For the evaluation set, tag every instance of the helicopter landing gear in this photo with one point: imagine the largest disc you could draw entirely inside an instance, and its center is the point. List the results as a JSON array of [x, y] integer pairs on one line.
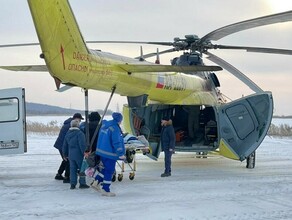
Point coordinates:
[[250, 161], [201, 155]]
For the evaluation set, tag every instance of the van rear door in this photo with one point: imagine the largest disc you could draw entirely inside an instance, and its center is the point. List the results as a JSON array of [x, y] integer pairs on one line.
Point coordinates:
[[13, 139]]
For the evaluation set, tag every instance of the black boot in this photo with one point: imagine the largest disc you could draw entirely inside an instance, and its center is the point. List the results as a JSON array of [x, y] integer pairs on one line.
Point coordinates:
[[83, 186], [72, 186], [66, 180], [165, 175], [59, 177]]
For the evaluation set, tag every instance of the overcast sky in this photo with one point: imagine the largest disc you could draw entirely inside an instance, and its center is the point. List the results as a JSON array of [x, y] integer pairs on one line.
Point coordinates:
[[159, 20]]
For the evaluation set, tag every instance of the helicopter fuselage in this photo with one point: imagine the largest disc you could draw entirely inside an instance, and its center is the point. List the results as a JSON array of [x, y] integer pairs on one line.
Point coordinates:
[[101, 71]]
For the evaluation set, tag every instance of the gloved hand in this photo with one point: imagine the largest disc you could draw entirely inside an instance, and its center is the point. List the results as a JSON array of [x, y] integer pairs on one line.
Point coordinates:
[[122, 157], [86, 154], [65, 158]]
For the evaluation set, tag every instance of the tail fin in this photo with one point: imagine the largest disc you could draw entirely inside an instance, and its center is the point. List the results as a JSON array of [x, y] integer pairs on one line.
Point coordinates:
[[58, 32]]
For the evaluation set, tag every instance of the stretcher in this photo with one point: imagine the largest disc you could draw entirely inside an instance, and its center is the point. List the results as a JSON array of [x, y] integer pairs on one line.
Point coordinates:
[[133, 145]]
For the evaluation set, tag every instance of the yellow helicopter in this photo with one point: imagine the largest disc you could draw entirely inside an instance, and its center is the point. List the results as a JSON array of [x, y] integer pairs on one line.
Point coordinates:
[[187, 91]]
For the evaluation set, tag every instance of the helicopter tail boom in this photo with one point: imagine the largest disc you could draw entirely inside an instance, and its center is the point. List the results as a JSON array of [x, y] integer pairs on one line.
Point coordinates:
[[58, 33]]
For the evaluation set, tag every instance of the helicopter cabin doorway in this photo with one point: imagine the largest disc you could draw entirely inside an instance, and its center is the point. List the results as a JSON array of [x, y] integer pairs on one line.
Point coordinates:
[[195, 126]]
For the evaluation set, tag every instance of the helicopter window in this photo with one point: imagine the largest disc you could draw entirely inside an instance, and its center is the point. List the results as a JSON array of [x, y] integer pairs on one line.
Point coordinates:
[[194, 60], [215, 79], [137, 101], [174, 61], [241, 120]]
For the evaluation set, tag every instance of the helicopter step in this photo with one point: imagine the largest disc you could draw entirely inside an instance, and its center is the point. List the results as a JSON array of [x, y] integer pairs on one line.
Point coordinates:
[[194, 148]]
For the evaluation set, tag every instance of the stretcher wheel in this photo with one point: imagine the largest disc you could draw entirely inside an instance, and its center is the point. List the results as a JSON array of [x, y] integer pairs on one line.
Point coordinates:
[[131, 176], [120, 177]]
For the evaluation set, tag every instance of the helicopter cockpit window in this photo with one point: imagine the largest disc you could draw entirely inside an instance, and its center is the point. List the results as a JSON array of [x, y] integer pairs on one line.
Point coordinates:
[[194, 59], [187, 59]]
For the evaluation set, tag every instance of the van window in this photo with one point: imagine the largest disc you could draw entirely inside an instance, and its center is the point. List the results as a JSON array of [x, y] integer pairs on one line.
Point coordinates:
[[9, 110]]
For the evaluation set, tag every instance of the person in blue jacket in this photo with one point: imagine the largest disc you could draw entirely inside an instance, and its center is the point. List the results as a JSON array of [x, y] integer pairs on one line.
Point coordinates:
[[64, 166], [73, 149], [110, 147], [167, 143]]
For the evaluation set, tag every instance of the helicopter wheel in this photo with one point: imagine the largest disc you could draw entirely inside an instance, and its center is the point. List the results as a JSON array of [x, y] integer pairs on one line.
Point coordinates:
[[197, 154], [250, 161], [201, 154], [205, 154], [131, 176], [120, 177]]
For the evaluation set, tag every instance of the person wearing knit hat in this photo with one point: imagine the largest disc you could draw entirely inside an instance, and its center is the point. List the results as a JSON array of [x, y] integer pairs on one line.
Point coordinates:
[[118, 117], [110, 147]]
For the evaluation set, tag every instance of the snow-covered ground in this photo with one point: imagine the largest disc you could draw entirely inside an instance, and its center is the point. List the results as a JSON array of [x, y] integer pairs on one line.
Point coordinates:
[[212, 188], [46, 119]]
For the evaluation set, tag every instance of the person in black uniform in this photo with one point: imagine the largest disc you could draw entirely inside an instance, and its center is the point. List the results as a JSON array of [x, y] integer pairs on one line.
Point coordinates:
[[167, 143]]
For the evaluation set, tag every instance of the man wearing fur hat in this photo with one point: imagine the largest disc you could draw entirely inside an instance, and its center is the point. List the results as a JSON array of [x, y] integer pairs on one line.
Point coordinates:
[[110, 147], [167, 143]]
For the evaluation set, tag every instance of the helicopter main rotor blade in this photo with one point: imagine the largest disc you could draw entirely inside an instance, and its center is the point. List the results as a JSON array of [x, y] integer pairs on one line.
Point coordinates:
[[234, 72], [20, 45], [131, 42], [255, 49], [97, 42], [118, 42], [248, 24]]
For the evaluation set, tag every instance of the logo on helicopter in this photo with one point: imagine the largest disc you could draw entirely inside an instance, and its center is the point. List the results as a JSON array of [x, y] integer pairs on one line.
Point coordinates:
[[171, 83]]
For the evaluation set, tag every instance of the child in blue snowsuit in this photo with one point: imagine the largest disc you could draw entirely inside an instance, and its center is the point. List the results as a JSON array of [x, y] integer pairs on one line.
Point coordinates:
[[73, 149], [110, 148]]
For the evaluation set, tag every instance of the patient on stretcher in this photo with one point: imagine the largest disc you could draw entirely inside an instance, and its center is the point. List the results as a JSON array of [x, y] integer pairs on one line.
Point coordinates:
[[137, 143]]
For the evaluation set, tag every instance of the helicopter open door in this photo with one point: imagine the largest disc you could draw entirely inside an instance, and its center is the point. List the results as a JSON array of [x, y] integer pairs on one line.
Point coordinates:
[[243, 125], [12, 121]]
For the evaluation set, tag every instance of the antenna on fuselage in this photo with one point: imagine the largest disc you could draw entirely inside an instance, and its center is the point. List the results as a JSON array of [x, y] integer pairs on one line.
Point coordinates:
[[157, 61], [141, 58]]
